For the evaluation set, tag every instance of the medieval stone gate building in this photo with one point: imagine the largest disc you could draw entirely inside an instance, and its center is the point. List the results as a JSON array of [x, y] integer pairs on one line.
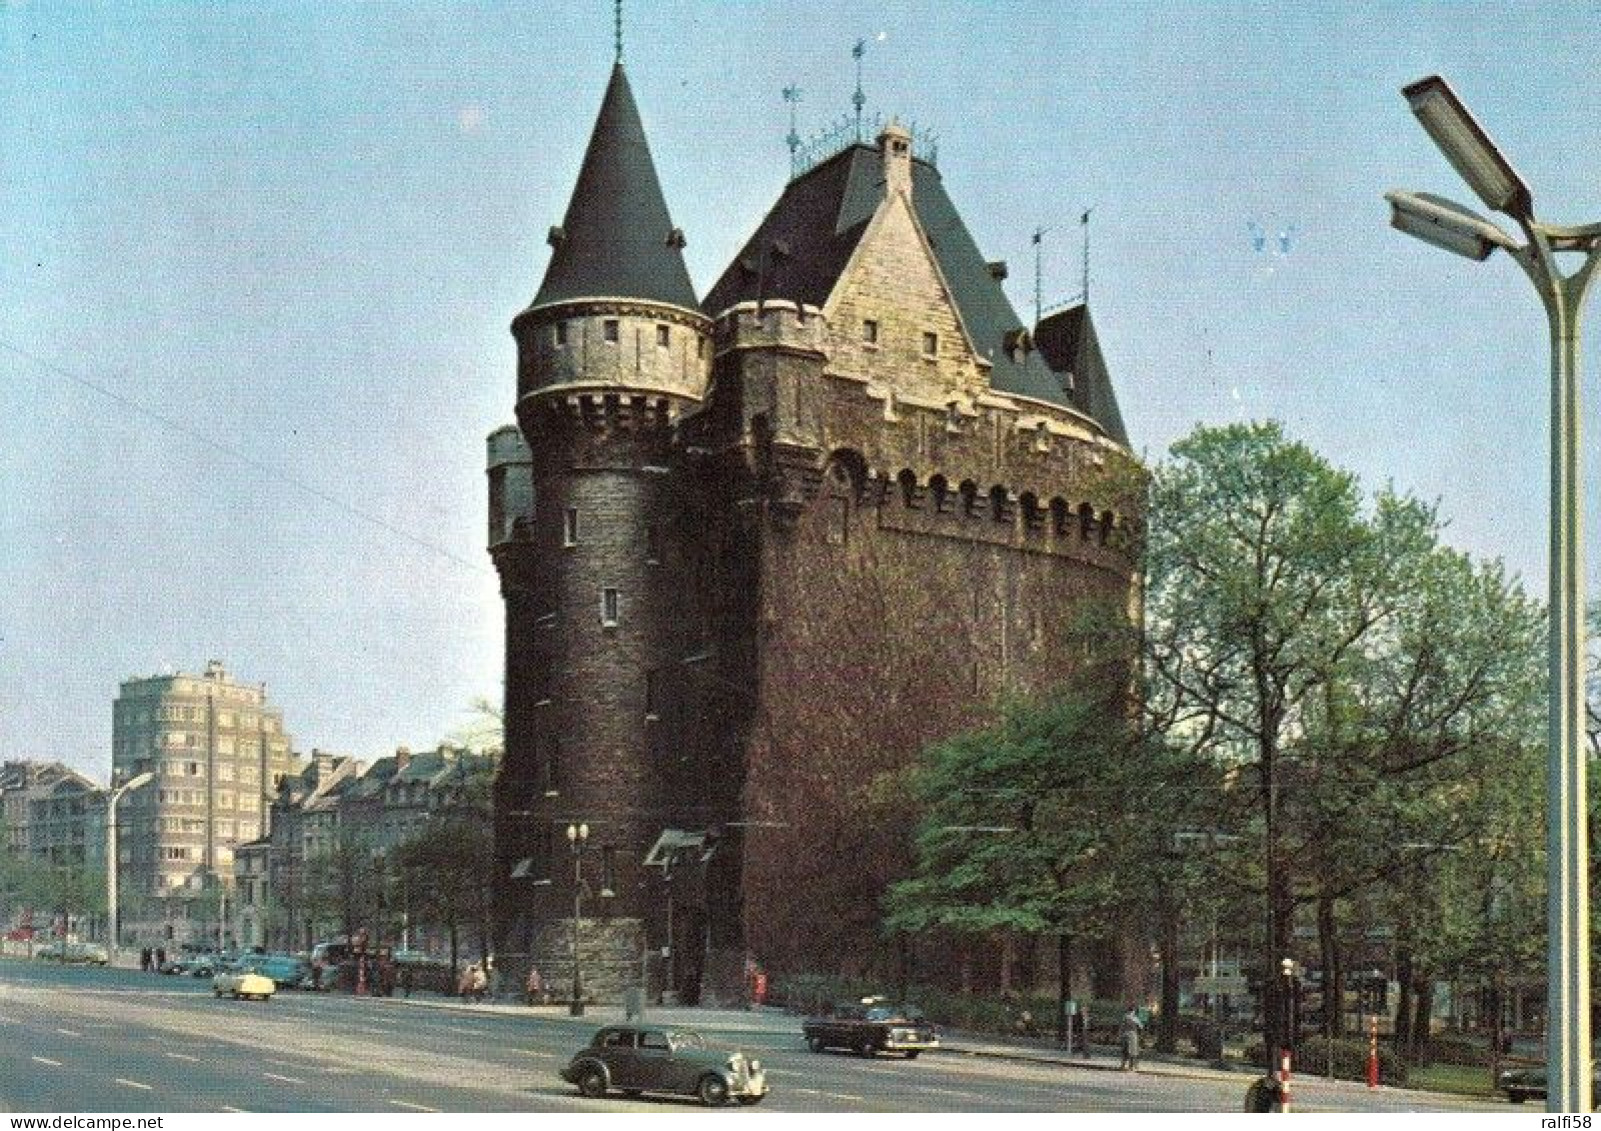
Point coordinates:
[[758, 550]]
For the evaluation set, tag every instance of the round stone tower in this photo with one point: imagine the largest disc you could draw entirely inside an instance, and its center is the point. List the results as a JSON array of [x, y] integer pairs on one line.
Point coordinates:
[[611, 351]]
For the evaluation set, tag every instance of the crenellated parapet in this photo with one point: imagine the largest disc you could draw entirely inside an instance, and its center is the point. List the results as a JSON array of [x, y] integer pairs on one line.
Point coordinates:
[[776, 324]]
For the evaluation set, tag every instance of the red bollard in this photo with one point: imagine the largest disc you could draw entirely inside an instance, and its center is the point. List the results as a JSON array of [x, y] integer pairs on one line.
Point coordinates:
[[1284, 1080], [1373, 1051]]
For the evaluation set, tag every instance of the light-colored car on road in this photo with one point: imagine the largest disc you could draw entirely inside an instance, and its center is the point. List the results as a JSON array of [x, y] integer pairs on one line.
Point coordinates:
[[243, 982]]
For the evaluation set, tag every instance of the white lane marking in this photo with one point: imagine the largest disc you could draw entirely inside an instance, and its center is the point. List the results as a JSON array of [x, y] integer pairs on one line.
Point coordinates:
[[829, 1095], [69, 1032], [183, 1056], [539, 1055], [133, 1084], [414, 1107], [236, 1110], [459, 1029], [9, 1021], [47, 1060], [285, 1079]]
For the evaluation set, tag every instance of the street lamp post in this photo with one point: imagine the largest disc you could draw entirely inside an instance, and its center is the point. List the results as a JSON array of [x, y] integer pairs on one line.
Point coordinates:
[[112, 916], [1457, 229], [578, 838]]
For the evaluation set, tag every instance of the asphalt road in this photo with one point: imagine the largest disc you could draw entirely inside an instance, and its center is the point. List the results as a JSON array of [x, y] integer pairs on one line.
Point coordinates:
[[96, 1040]]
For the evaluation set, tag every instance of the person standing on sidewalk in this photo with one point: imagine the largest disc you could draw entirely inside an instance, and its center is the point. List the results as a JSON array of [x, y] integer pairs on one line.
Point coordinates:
[[1129, 1039]]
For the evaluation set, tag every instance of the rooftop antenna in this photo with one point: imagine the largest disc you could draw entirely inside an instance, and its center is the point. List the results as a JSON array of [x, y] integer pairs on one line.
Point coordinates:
[[1085, 221], [858, 99], [617, 15], [792, 95], [1039, 252]]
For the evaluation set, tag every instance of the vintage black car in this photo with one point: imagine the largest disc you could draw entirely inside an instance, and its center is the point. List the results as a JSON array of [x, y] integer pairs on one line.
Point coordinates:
[[869, 1027], [645, 1058], [1521, 1084]]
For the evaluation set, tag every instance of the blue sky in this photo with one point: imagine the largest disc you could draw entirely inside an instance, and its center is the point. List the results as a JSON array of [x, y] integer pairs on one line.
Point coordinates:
[[257, 264]]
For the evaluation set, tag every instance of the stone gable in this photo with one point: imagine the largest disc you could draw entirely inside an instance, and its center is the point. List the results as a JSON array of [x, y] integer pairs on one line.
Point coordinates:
[[893, 282]]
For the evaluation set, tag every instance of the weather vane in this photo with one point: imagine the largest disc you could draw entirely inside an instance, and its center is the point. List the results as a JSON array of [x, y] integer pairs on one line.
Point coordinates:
[[859, 99], [792, 95]]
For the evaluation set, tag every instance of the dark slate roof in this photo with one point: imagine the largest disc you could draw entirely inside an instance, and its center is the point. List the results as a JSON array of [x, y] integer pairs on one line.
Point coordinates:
[[801, 248], [1068, 343], [616, 234]]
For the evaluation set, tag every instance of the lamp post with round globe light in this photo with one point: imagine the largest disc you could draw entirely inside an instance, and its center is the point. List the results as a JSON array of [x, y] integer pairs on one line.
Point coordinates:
[[578, 839]]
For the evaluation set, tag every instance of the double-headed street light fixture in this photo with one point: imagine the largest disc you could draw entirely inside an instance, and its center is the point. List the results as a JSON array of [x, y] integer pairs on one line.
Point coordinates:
[[112, 916], [1457, 229], [578, 839]]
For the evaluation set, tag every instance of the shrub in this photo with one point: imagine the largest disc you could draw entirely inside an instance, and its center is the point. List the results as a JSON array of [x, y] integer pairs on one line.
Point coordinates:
[[1455, 1048], [1350, 1059], [1017, 1015]]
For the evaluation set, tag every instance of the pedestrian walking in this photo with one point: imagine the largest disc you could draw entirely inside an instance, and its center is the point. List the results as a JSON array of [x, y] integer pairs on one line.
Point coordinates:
[[1129, 1039], [535, 989], [145, 958], [472, 984], [161, 960], [386, 973]]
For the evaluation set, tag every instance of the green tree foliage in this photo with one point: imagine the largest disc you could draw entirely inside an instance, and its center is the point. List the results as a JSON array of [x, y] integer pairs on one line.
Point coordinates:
[[344, 886], [1369, 690], [1053, 821], [445, 873]]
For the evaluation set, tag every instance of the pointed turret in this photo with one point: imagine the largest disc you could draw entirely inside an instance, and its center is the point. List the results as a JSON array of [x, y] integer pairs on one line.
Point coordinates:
[[616, 313], [618, 240]]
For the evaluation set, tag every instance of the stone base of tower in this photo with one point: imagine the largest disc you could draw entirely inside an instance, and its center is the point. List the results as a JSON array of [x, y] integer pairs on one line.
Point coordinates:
[[611, 960]]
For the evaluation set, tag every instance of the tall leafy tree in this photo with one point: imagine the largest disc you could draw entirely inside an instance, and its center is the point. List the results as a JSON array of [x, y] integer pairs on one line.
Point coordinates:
[[447, 869], [344, 885], [1356, 675], [1050, 822]]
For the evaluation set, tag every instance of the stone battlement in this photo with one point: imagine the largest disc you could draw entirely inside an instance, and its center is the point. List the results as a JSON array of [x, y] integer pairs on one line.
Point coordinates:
[[774, 323]]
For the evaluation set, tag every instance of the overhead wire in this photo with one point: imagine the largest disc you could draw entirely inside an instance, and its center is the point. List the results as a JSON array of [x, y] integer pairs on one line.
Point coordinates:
[[243, 457]]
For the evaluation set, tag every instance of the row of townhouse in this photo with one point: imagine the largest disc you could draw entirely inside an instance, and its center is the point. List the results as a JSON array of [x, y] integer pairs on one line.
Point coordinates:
[[345, 813], [51, 816]]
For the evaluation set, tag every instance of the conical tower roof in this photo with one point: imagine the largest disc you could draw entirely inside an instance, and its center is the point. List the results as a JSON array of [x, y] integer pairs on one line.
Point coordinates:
[[618, 240]]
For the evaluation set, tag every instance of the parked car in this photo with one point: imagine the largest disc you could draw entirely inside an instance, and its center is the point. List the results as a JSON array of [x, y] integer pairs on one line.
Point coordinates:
[[286, 970], [871, 1026], [643, 1058], [243, 982], [92, 954], [49, 950], [1522, 1084]]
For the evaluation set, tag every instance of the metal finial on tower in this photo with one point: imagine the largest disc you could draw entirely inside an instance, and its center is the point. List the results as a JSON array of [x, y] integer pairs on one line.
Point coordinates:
[[792, 95], [859, 99], [617, 16]]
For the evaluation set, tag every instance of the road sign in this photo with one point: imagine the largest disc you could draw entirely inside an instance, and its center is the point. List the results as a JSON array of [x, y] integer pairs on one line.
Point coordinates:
[[1232, 984]]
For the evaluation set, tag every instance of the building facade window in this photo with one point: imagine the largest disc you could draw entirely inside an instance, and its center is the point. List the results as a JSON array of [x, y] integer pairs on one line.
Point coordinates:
[[653, 543], [664, 335], [653, 693], [569, 527], [560, 330], [611, 330], [870, 331], [610, 604], [930, 345]]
